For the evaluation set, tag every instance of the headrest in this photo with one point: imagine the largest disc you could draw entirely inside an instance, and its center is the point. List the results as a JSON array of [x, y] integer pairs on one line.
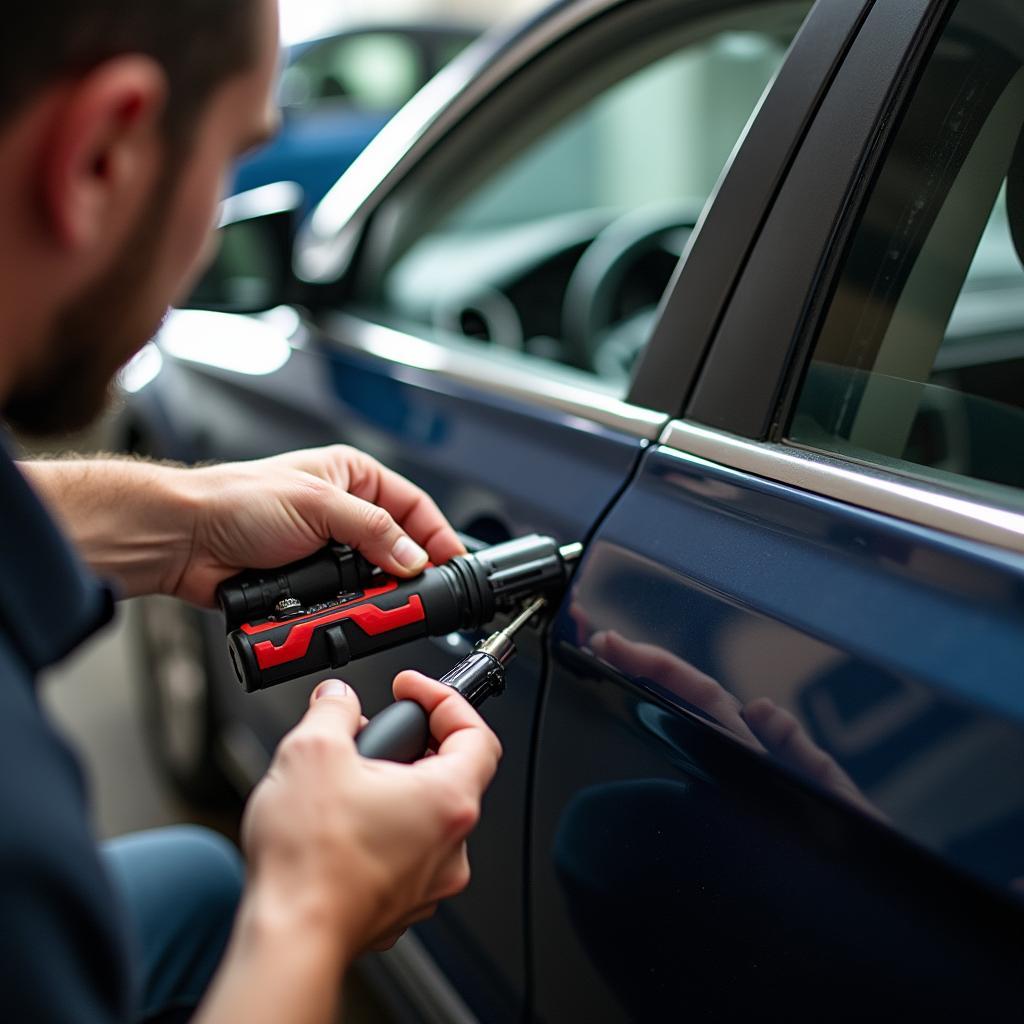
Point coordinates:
[[1015, 197]]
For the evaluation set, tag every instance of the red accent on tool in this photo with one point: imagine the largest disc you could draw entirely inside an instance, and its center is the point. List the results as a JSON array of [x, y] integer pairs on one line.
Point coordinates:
[[368, 617]]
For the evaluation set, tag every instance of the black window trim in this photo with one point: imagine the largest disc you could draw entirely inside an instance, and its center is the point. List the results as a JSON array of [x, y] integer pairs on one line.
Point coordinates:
[[734, 215], [750, 438], [759, 355]]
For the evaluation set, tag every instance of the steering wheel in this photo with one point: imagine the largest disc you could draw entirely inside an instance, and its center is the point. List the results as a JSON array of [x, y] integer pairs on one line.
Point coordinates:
[[590, 297]]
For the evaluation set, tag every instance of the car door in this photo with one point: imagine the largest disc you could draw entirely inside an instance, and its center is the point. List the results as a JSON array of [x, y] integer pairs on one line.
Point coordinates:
[[483, 334], [780, 763]]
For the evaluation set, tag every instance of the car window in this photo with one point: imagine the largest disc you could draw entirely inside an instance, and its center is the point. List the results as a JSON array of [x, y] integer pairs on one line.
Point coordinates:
[[554, 241], [372, 71], [920, 362]]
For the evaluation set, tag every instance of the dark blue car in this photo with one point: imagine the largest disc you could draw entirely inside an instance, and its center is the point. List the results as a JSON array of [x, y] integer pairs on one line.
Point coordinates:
[[338, 92], [733, 293]]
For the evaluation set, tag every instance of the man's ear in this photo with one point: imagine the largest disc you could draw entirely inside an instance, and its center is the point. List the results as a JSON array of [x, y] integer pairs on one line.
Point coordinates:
[[103, 152]]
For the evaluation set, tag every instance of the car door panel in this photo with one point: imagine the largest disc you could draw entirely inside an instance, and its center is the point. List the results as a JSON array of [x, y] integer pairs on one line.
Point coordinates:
[[497, 463], [779, 762]]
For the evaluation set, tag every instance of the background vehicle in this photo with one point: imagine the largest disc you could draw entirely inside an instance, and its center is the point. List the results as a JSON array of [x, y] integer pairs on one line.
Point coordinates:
[[339, 91], [769, 754]]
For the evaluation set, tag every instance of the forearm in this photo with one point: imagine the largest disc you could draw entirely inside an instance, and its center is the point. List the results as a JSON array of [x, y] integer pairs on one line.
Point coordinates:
[[131, 520], [284, 963]]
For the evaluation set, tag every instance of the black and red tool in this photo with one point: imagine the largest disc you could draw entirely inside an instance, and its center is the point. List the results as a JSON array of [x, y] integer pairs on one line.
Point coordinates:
[[335, 607]]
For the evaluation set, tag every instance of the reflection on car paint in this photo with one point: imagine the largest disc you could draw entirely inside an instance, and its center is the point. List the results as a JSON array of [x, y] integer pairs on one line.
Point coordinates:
[[883, 744]]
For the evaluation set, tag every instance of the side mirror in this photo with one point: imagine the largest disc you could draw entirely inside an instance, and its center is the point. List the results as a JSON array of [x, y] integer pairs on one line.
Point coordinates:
[[252, 271]]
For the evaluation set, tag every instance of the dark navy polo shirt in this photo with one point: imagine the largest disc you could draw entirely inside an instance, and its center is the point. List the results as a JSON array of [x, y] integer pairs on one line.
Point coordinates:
[[64, 953]]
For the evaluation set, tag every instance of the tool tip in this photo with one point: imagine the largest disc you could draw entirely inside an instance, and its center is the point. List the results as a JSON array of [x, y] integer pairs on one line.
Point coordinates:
[[571, 552], [526, 614]]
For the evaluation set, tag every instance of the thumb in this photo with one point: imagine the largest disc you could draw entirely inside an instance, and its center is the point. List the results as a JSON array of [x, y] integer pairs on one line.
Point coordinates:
[[373, 532], [337, 700]]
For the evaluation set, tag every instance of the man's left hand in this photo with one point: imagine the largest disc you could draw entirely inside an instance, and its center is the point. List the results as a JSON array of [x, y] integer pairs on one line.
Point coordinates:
[[160, 529], [258, 515]]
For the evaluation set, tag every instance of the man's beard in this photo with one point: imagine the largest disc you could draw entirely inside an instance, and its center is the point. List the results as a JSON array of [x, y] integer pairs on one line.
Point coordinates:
[[92, 339]]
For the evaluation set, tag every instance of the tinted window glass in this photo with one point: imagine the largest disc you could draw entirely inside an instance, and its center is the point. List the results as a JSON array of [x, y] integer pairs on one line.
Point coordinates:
[[560, 248], [446, 48], [920, 363]]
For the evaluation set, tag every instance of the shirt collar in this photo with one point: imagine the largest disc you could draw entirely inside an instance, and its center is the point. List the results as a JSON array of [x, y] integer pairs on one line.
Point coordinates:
[[49, 601]]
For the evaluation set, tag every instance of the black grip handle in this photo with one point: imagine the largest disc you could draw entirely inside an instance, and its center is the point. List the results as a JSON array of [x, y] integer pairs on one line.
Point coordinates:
[[399, 733]]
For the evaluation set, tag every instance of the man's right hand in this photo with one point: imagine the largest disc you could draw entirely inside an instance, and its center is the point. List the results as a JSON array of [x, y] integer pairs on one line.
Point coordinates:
[[366, 848]]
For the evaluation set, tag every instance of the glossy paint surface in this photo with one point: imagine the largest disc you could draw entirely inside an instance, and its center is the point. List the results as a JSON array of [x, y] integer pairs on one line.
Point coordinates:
[[781, 754]]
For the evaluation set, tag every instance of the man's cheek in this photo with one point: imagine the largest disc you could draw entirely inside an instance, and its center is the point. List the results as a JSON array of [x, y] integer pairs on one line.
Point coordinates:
[[200, 241], [208, 253]]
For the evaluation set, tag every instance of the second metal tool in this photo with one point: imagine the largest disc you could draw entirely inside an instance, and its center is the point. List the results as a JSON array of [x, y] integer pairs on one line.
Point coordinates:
[[401, 732]]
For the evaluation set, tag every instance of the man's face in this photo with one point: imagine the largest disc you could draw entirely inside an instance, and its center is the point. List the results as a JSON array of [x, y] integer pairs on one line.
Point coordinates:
[[123, 307]]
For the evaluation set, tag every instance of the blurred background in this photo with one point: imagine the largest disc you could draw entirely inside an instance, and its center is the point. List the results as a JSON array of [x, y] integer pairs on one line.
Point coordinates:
[[304, 19]]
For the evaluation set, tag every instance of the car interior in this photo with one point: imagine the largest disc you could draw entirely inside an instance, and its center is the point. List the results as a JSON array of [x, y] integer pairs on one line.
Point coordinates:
[[554, 239]]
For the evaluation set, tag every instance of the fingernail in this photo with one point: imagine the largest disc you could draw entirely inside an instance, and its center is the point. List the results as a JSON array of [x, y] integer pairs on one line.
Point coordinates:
[[408, 553], [332, 688]]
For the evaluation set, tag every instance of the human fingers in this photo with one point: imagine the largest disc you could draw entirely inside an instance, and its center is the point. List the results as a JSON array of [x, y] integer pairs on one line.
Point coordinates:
[[467, 748], [312, 510], [334, 706], [639, 659], [386, 942], [677, 676], [451, 878], [454, 875], [309, 753], [382, 943], [373, 531], [581, 620], [785, 738], [411, 507], [420, 516]]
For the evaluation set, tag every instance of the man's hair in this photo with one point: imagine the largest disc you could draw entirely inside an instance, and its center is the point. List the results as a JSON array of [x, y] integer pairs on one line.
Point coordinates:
[[199, 43]]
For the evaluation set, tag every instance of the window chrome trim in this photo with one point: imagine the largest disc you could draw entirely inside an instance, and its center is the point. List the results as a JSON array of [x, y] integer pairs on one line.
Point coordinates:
[[869, 488], [490, 375]]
